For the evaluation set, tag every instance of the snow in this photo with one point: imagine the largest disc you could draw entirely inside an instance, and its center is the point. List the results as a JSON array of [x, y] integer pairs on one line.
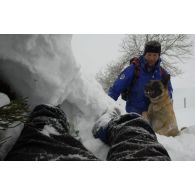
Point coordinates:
[[42, 66], [181, 147], [44, 69], [4, 99], [11, 135], [48, 130]]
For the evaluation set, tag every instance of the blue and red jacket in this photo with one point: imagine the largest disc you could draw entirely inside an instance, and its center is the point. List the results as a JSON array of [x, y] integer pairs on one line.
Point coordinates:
[[137, 101]]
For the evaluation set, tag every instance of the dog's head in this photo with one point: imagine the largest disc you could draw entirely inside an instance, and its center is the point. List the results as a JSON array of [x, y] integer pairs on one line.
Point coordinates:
[[154, 89]]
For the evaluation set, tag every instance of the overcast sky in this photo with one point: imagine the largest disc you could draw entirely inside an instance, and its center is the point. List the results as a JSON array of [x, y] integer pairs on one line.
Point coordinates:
[[94, 52]]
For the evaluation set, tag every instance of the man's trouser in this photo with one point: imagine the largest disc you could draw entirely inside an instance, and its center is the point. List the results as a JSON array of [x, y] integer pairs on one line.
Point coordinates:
[[45, 137]]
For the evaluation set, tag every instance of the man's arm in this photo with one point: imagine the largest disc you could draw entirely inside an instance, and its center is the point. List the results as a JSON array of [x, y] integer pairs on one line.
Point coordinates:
[[122, 82]]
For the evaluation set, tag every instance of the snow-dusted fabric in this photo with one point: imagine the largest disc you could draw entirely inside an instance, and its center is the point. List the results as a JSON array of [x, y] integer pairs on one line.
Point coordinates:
[[132, 138], [46, 137]]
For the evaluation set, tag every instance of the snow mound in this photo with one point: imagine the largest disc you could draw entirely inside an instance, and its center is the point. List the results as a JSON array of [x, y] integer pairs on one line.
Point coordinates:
[[43, 68], [40, 67], [181, 147], [4, 100]]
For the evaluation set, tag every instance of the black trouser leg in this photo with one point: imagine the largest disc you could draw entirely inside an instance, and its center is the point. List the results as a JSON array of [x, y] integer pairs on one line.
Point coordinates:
[[38, 143], [132, 138]]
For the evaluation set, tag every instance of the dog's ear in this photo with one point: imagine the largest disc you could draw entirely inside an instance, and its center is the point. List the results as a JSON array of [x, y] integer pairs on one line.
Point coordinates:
[[165, 79]]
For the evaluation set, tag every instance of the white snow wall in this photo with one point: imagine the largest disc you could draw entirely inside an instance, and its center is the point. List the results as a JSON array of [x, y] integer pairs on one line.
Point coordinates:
[[43, 68], [37, 65]]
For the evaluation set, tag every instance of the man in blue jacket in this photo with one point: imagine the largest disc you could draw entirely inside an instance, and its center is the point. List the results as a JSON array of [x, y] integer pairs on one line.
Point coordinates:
[[149, 69]]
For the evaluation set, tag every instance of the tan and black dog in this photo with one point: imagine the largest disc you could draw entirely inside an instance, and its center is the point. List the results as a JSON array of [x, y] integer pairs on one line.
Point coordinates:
[[160, 113]]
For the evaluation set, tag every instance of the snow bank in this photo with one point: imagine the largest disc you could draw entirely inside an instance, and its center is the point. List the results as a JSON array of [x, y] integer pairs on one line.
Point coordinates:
[[40, 67], [43, 68], [4, 100], [181, 147]]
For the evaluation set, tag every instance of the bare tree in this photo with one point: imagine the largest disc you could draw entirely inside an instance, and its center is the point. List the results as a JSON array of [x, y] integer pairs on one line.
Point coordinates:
[[176, 48]]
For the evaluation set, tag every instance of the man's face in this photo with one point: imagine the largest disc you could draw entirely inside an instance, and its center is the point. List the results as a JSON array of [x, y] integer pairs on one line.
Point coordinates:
[[151, 58]]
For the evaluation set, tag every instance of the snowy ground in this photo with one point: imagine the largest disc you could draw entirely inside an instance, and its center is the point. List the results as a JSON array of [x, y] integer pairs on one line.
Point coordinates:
[[182, 147], [43, 68]]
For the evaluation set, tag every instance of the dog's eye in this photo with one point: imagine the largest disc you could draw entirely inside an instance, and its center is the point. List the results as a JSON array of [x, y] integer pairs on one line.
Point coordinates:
[[156, 85]]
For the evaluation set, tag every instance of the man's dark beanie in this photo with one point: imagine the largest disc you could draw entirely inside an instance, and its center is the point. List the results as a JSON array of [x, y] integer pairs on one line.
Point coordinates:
[[152, 46]]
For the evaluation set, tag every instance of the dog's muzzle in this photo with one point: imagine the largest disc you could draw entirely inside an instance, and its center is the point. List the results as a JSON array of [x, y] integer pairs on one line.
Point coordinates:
[[149, 93]]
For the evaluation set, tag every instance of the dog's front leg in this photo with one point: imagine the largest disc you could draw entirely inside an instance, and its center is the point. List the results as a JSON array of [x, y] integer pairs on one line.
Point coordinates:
[[145, 116], [171, 132]]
